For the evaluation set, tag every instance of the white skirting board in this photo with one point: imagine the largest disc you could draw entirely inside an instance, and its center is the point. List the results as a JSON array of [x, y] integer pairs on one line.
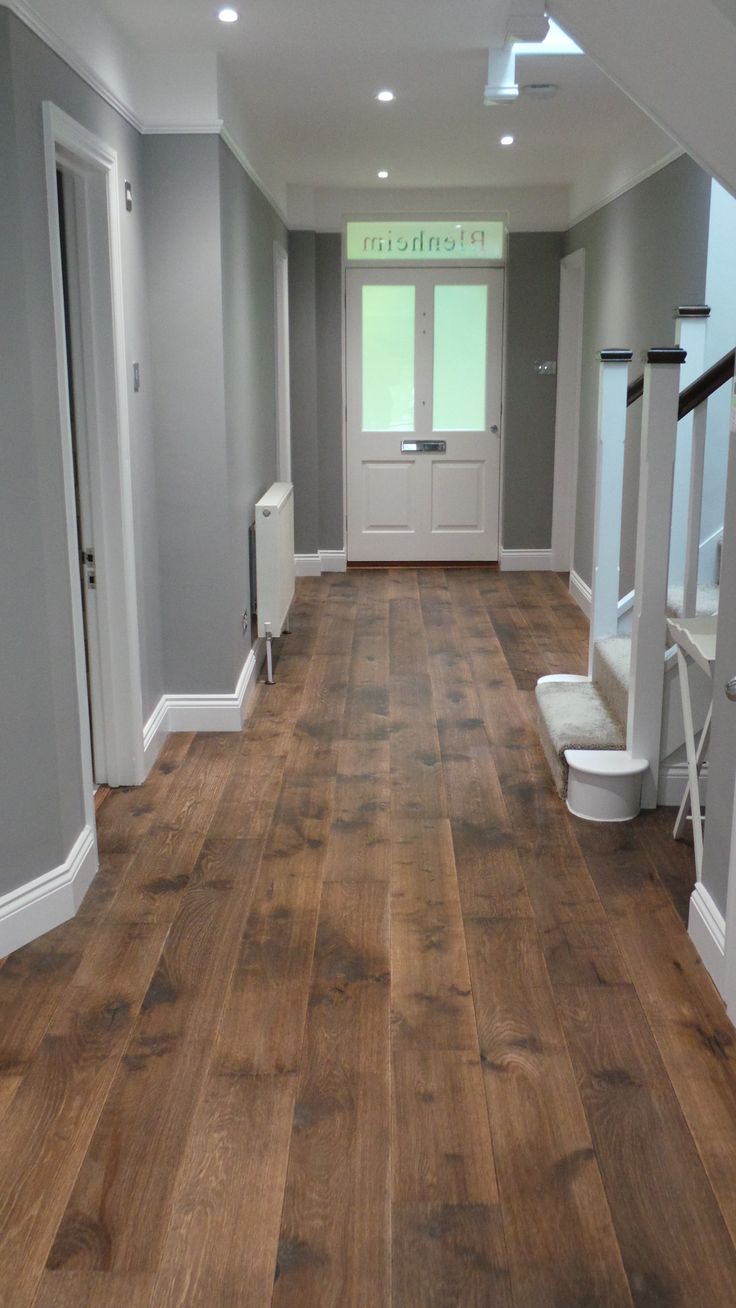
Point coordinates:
[[48, 900], [525, 560], [581, 593], [673, 783], [313, 565], [707, 930], [202, 712]]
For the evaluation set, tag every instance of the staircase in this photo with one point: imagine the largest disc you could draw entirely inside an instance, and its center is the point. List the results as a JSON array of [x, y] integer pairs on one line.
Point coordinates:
[[603, 735]]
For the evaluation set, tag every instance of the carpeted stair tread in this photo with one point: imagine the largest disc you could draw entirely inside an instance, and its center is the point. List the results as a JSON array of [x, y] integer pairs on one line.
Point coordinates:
[[612, 672], [574, 715], [706, 603]]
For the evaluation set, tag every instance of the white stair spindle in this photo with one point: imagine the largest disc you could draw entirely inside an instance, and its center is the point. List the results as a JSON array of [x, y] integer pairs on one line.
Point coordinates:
[[690, 335], [658, 441], [694, 510], [614, 373]]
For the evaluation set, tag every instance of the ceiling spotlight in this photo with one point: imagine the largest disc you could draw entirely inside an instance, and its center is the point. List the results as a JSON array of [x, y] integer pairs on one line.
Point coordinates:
[[507, 140], [228, 15], [385, 97], [383, 174]]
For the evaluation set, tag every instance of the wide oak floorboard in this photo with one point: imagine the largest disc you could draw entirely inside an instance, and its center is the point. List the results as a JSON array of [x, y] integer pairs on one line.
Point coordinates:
[[356, 1014]]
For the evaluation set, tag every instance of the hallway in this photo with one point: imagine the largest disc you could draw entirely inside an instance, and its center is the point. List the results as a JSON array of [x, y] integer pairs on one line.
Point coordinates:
[[356, 1014]]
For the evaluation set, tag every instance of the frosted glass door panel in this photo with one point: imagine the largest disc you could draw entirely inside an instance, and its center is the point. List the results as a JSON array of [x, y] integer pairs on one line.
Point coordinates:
[[460, 358], [388, 333]]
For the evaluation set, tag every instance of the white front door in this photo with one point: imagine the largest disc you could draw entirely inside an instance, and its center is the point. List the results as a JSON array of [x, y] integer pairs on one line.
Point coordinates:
[[424, 360]]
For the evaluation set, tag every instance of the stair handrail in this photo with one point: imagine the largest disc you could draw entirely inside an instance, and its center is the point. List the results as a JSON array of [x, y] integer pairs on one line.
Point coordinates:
[[701, 389], [707, 384]]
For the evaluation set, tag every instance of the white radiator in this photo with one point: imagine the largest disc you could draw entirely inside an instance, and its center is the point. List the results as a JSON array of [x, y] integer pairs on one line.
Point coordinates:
[[275, 557]]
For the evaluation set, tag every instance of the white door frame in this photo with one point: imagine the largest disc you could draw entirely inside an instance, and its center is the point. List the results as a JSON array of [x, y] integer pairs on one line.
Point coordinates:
[[567, 413], [97, 204], [281, 343]]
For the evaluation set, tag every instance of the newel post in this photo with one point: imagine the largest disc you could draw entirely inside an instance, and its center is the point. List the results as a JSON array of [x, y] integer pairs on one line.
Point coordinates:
[[609, 486], [690, 335], [648, 642]]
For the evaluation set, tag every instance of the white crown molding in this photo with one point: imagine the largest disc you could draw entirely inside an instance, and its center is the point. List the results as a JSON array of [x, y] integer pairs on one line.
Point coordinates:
[[627, 186], [214, 127], [51, 38], [44, 903], [707, 930], [211, 128], [252, 172]]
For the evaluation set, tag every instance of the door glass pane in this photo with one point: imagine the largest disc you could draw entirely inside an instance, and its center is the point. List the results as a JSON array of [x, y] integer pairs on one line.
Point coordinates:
[[460, 327], [388, 358]]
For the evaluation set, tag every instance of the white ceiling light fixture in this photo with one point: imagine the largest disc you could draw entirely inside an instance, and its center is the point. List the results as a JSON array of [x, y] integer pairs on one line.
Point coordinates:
[[228, 15], [386, 97], [382, 174], [506, 140]]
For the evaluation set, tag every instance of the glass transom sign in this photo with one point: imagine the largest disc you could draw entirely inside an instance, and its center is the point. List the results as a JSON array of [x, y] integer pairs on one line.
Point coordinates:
[[471, 241]]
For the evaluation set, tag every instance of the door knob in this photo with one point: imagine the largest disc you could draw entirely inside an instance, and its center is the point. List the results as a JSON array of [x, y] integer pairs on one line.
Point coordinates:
[[731, 688]]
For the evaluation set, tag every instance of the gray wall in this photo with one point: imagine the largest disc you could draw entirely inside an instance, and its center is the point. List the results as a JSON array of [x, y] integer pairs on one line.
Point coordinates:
[[210, 236], [248, 227], [315, 307], [645, 254], [315, 343], [532, 311], [41, 790]]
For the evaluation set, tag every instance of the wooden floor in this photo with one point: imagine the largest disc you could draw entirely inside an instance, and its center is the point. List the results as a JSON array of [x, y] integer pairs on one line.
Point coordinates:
[[356, 1014]]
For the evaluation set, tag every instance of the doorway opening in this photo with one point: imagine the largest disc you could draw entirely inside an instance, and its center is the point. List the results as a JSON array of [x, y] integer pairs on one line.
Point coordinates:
[[424, 350], [84, 202]]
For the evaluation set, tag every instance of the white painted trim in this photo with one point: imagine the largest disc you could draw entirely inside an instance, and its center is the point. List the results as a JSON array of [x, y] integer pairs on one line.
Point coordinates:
[[307, 565], [707, 930], [245, 163], [567, 409], [213, 127], [627, 186], [673, 783], [95, 164], [41, 29], [155, 733], [215, 712], [50, 899], [333, 560], [313, 565], [581, 593], [525, 560]]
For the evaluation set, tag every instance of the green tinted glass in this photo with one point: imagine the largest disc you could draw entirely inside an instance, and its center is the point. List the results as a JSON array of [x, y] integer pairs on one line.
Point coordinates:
[[388, 358], [460, 347]]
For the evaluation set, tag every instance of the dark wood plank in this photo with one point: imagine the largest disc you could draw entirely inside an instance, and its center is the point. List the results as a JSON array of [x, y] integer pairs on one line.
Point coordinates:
[[335, 1232], [431, 999], [48, 1125], [673, 1239]]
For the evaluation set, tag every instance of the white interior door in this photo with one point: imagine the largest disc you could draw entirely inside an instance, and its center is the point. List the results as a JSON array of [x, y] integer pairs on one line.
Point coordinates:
[[424, 366]]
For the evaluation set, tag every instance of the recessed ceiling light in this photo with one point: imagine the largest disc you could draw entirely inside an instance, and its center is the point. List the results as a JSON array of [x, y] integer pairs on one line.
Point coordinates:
[[228, 15], [382, 174], [385, 97], [507, 140]]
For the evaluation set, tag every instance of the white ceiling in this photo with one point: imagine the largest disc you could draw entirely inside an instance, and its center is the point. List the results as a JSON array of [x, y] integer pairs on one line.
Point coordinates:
[[306, 73]]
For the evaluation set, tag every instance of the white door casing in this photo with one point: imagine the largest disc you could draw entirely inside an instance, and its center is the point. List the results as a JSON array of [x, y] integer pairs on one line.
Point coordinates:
[[98, 203], [421, 507]]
